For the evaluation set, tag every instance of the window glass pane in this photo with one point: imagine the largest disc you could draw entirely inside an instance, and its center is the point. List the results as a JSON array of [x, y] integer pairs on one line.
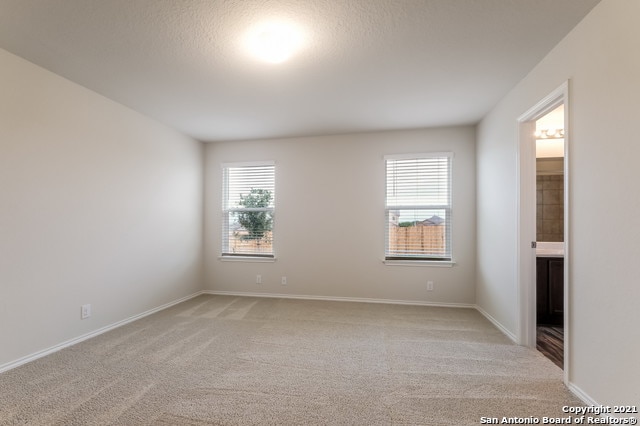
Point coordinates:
[[255, 239], [417, 233], [418, 182], [418, 207], [242, 180], [249, 198]]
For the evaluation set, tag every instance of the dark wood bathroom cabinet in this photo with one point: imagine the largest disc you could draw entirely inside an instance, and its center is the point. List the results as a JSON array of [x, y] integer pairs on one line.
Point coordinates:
[[550, 291]]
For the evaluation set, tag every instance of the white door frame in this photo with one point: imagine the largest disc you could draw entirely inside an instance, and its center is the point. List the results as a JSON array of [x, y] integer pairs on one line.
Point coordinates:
[[526, 272]]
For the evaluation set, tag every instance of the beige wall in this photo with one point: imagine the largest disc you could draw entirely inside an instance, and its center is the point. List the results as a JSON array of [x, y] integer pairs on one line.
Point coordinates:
[[98, 205], [600, 58], [329, 226]]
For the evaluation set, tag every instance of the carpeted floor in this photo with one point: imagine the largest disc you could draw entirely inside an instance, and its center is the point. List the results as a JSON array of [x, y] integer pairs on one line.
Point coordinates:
[[221, 360]]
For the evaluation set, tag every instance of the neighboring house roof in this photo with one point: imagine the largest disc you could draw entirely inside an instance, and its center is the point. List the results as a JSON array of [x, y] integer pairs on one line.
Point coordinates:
[[433, 220]]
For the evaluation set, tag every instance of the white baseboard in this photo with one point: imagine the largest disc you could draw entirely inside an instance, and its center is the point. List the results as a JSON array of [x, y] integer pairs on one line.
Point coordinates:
[[495, 322], [581, 394], [71, 342], [341, 299]]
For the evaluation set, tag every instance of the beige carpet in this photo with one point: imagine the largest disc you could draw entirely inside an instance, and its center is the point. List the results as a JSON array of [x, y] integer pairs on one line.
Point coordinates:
[[221, 360]]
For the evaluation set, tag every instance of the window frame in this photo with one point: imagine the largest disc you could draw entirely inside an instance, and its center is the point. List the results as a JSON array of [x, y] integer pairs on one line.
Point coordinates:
[[416, 260], [226, 252]]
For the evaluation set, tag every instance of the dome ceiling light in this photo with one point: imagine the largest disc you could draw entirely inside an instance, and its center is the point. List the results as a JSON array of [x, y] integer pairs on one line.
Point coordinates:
[[274, 42]]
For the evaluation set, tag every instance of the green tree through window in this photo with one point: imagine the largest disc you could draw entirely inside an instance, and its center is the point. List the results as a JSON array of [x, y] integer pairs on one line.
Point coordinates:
[[257, 223]]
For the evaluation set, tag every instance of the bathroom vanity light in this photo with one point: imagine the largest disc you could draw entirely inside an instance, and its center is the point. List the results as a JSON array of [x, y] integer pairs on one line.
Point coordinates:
[[549, 134]]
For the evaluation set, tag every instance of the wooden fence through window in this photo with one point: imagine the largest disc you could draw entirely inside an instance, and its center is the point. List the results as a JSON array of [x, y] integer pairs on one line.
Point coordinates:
[[417, 239]]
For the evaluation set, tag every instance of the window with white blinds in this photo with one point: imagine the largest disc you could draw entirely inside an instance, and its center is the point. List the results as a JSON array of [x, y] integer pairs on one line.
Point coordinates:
[[418, 207], [248, 209]]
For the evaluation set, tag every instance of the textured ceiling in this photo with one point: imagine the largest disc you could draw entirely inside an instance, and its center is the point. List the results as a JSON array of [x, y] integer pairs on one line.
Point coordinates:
[[364, 64]]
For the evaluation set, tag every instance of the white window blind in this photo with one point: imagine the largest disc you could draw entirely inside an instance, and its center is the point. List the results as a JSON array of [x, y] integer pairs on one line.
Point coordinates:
[[248, 209], [418, 207]]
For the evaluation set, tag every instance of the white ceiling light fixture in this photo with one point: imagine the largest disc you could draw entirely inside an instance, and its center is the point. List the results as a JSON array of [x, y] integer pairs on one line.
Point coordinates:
[[274, 42]]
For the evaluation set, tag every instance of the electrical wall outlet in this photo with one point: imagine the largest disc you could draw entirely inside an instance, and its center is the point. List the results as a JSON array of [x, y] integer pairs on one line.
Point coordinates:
[[429, 285], [284, 280], [258, 279], [85, 311]]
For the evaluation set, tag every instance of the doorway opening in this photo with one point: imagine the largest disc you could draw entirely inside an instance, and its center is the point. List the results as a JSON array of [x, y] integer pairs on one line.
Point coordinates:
[[549, 250], [543, 235]]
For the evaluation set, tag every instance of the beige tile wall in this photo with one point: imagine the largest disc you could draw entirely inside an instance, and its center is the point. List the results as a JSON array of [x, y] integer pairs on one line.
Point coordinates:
[[550, 208]]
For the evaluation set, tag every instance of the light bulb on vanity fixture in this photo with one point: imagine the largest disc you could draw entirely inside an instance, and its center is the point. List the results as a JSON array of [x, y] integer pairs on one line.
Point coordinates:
[[549, 133]]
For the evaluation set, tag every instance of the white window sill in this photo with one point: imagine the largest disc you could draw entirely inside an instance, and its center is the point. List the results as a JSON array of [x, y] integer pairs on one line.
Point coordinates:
[[434, 263], [253, 259]]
